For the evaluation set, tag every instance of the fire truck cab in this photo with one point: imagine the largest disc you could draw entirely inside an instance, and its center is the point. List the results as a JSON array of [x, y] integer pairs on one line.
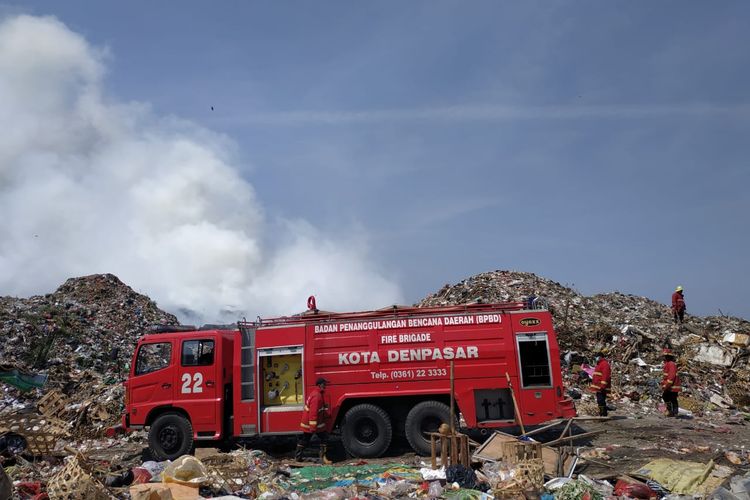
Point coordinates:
[[388, 372]]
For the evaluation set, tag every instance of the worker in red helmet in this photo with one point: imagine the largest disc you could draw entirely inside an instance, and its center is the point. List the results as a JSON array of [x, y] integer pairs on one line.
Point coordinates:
[[678, 305], [313, 423], [670, 384], [601, 382]]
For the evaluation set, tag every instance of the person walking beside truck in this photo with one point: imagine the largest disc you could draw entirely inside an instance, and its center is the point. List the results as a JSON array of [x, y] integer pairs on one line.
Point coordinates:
[[601, 382], [313, 422], [678, 305], [670, 384]]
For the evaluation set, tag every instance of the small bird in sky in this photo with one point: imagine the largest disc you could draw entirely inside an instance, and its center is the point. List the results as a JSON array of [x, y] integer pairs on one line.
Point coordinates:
[[212, 108]]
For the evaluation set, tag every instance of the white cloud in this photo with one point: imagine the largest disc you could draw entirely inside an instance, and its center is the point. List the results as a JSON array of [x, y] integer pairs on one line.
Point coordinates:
[[91, 186]]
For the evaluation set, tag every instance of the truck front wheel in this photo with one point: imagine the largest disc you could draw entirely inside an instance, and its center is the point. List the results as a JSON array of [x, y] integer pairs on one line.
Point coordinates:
[[423, 419], [170, 436], [366, 431]]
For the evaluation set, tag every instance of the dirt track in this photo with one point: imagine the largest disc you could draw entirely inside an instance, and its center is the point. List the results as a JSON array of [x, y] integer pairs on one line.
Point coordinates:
[[631, 443]]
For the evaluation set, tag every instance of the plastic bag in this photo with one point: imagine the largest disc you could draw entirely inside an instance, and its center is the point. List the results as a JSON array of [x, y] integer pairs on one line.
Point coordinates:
[[497, 473], [435, 489], [466, 478], [155, 468], [634, 490], [429, 474], [395, 489], [141, 475], [186, 470]]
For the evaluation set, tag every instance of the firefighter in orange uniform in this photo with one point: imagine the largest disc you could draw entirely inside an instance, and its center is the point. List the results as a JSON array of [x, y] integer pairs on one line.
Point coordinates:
[[670, 384], [601, 382], [678, 305], [313, 422]]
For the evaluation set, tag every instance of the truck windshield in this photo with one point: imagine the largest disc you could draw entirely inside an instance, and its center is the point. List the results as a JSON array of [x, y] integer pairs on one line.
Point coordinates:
[[152, 357]]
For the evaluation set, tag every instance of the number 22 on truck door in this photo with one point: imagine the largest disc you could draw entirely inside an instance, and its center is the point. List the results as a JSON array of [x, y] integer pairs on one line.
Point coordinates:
[[197, 379]]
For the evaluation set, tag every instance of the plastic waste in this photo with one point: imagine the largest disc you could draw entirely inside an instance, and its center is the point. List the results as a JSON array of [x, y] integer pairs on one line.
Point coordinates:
[[725, 494], [335, 493], [497, 473], [186, 470], [600, 486], [141, 475], [430, 474], [155, 468], [740, 484], [458, 473], [634, 490], [396, 488], [435, 489], [124, 479]]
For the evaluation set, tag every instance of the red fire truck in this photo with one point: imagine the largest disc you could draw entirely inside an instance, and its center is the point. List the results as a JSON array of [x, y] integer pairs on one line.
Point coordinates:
[[388, 373]]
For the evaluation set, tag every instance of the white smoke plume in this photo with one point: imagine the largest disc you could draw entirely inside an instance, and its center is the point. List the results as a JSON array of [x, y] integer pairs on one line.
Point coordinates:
[[92, 186]]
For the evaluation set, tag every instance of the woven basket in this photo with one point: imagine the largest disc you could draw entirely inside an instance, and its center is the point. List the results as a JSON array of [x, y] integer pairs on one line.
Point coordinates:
[[73, 482]]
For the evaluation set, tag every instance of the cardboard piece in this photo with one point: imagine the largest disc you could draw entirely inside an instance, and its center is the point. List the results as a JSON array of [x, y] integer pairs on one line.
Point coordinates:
[[150, 491], [163, 491]]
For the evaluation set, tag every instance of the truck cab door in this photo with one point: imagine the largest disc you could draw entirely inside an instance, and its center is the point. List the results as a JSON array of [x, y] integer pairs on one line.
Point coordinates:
[[198, 383], [150, 384]]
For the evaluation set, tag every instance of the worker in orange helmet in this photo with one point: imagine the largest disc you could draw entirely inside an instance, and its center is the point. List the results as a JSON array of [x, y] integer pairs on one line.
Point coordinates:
[[313, 422], [678, 305], [601, 382], [670, 384]]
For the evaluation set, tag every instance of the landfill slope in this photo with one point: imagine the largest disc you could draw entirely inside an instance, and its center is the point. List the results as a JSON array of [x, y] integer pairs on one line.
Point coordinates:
[[713, 351], [81, 336]]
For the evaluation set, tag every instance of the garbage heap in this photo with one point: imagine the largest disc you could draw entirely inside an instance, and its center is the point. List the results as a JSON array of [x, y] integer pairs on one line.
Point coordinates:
[[253, 474], [75, 343], [712, 351]]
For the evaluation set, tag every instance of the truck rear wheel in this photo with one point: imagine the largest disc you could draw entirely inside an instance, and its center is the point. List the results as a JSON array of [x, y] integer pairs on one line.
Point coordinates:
[[366, 431], [170, 436], [424, 418]]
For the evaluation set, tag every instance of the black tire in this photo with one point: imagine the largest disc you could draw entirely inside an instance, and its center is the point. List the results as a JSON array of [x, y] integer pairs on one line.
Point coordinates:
[[170, 437], [423, 418], [366, 431]]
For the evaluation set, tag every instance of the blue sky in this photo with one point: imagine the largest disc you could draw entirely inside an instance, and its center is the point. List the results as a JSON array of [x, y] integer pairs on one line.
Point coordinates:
[[600, 144]]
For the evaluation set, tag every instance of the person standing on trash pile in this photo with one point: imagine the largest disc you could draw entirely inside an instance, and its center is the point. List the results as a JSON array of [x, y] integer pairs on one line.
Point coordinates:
[[670, 384], [678, 305], [601, 382], [313, 422]]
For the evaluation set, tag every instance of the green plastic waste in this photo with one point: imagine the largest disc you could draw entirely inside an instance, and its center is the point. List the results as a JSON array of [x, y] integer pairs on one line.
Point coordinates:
[[22, 381]]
